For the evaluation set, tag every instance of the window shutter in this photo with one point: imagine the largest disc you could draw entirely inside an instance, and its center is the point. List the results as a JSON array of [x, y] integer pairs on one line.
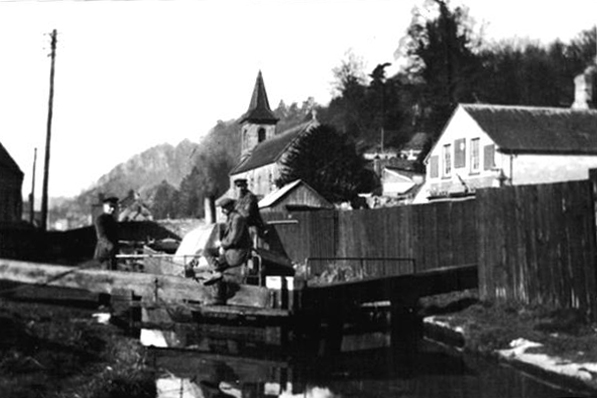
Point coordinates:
[[459, 153], [489, 157], [433, 167]]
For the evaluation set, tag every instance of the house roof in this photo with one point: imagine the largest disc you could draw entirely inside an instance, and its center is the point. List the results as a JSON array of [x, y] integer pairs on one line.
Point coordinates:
[[259, 110], [270, 150], [7, 162], [403, 172], [525, 129], [417, 142]]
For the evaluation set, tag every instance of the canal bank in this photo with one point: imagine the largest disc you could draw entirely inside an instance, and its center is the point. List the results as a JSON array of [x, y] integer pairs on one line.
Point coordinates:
[[556, 346], [67, 351]]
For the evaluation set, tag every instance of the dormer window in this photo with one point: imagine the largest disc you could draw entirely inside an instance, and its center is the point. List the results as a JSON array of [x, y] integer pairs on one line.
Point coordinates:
[[261, 135]]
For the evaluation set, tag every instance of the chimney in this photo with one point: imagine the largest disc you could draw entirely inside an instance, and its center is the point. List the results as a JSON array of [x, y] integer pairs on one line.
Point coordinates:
[[583, 89], [377, 166], [210, 209]]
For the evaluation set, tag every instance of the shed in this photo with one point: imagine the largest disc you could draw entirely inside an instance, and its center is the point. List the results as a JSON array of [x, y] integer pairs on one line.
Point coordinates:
[[296, 195]]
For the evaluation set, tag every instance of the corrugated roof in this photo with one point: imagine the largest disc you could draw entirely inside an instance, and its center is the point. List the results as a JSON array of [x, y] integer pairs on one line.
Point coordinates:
[[525, 129], [7, 162], [270, 150], [259, 110]]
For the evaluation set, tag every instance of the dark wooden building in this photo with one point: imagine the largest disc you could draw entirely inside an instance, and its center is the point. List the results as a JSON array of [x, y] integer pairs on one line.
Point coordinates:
[[11, 183]]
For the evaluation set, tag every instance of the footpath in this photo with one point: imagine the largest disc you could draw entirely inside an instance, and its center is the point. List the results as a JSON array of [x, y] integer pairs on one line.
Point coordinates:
[[554, 346]]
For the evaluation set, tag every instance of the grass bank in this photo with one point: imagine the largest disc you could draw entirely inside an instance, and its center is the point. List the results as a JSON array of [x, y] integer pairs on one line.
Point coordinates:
[[53, 351], [564, 336]]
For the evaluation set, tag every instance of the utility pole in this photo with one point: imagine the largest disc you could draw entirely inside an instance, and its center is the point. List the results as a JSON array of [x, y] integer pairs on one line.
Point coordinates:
[[32, 194], [44, 197]]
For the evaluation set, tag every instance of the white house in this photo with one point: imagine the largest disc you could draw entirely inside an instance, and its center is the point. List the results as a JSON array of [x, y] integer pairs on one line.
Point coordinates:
[[490, 145]]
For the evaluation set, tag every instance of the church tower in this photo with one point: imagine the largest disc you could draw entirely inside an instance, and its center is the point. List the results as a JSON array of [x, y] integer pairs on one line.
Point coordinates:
[[259, 122]]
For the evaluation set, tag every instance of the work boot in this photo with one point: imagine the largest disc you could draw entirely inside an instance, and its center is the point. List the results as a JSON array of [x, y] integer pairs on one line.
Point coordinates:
[[219, 294], [189, 272], [215, 277]]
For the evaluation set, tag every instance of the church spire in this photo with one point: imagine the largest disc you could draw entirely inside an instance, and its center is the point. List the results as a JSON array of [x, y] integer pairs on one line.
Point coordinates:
[[259, 110], [259, 122]]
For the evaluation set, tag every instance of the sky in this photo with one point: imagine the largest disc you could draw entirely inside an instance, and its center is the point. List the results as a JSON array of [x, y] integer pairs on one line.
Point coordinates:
[[130, 75]]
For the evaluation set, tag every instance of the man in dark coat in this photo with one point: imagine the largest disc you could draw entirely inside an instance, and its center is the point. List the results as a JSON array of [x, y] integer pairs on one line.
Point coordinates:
[[106, 229], [248, 206], [228, 258]]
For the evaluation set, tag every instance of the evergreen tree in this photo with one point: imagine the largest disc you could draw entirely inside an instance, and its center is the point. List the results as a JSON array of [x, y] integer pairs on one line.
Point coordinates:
[[165, 202], [443, 56], [189, 200], [328, 162]]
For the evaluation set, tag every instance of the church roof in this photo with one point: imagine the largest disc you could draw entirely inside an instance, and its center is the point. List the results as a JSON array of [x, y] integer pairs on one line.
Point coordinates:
[[269, 151], [259, 110]]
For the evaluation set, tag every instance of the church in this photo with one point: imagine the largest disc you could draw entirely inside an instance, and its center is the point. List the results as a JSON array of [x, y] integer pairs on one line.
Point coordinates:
[[262, 150]]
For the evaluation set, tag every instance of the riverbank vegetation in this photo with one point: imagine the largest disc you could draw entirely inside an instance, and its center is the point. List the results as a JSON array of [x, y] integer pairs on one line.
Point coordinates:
[[53, 351], [488, 326]]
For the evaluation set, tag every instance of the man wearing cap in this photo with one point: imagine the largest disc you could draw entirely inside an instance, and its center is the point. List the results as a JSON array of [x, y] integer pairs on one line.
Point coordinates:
[[248, 207], [106, 229], [230, 254]]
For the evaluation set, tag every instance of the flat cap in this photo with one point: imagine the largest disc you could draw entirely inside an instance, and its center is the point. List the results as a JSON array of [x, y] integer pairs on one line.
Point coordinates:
[[226, 202], [240, 182], [111, 200]]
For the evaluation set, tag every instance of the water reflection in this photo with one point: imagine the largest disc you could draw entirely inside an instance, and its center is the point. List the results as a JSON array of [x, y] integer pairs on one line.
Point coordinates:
[[213, 371]]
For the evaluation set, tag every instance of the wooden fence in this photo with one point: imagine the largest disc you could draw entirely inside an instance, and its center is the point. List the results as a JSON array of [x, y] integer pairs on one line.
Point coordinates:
[[537, 244], [313, 234], [434, 235]]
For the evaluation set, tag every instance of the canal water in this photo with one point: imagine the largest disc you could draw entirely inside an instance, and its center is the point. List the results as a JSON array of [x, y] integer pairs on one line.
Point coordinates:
[[226, 368]]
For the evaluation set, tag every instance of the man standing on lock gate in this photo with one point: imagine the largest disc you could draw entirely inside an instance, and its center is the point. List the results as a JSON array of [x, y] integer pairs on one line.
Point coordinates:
[[106, 230], [247, 205], [228, 259]]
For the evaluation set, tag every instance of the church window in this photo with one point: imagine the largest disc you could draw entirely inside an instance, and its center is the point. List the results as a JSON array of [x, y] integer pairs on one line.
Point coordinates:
[[261, 135]]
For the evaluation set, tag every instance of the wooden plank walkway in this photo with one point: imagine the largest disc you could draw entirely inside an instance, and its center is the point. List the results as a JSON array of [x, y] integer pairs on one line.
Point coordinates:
[[149, 287]]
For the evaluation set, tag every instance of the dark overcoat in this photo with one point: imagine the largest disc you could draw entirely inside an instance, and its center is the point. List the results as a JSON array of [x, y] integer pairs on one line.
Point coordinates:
[[106, 229], [235, 240]]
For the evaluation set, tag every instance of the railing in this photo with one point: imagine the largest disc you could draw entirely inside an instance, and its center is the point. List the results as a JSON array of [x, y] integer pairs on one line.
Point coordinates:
[[343, 269]]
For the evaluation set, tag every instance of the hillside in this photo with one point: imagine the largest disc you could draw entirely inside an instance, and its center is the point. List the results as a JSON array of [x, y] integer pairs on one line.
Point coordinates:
[[147, 171], [161, 163], [141, 173]]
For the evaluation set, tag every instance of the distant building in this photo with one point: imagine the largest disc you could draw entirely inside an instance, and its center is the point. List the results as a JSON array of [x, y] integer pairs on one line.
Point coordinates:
[[415, 146], [133, 208], [11, 183]]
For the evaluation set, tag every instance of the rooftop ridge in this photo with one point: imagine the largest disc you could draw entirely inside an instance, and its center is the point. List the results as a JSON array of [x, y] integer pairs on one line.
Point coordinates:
[[526, 107]]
